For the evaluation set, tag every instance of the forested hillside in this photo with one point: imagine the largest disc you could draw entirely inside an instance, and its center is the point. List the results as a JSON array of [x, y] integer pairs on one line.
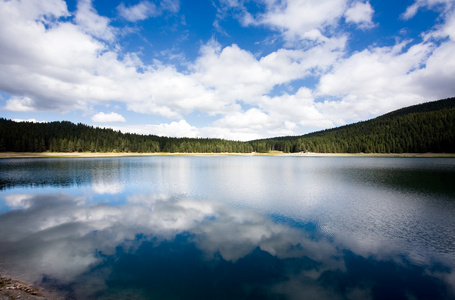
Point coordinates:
[[69, 137], [428, 127]]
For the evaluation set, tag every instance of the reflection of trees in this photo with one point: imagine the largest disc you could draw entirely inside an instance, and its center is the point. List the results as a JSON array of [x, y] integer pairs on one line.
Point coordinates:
[[59, 172]]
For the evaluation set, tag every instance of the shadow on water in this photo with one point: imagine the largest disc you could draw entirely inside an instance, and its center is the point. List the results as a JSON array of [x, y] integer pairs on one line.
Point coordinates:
[[419, 181], [420, 175]]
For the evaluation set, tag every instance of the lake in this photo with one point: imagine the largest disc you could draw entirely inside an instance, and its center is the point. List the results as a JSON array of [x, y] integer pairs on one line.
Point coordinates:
[[230, 227]]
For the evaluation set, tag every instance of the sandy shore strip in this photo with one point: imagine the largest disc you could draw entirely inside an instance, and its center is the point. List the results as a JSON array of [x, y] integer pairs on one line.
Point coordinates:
[[272, 153], [14, 289]]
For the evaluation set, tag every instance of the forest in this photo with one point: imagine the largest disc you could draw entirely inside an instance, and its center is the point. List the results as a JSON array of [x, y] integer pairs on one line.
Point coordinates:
[[69, 137], [423, 128], [428, 127]]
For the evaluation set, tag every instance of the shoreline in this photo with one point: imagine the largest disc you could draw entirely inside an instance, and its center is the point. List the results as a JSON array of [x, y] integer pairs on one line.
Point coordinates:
[[272, 153], [12, 288]]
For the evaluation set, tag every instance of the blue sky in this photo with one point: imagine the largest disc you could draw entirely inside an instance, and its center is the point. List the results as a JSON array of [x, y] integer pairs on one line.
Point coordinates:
[[233, 69]]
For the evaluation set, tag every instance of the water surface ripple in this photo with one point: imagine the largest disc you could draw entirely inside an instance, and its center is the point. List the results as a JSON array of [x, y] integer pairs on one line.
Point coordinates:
[[231, 227]]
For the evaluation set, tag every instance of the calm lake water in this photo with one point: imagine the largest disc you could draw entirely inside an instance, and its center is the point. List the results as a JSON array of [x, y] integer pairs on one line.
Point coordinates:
[[231, 227]]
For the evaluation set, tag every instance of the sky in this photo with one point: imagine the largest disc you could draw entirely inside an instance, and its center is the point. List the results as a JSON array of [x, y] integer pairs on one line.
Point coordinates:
[[232, 69]]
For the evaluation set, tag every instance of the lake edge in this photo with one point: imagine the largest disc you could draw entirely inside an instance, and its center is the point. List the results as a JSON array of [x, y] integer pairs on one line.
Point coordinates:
[[274, 153]]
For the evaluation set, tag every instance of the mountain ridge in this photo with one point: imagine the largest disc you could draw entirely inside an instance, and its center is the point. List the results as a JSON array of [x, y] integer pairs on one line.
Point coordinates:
[[426, 127], [421, 128]]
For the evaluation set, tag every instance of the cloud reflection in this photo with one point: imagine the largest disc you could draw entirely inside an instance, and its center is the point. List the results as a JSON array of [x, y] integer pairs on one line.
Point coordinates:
[[18, 200], [107, 188], [65, 225], [68, 239]]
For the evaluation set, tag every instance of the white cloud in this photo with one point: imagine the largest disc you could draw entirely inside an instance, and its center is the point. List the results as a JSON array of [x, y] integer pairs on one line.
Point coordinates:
[[449, 26], [141, 11], [361, 14], [61, 65], [77, 71], [89, 20], [54, 66], [229, 133], [237, 74], [381, 79], [299, 108], [297, 19], [435, 80], [253, 119], [373, 81], [108, 118], [146, 9], [28, 120], [233, 73], [412, 10], [18, 200], [170, 5], [20, 104], [183, 129], [173, 129], [103, 187], [44, 11]]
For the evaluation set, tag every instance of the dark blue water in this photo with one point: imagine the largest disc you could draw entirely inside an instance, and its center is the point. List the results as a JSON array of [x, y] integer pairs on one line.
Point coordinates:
[[231, 227]]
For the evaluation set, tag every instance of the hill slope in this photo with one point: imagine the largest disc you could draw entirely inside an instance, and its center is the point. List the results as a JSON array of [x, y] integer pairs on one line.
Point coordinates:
[[428, 127], [68, 137]]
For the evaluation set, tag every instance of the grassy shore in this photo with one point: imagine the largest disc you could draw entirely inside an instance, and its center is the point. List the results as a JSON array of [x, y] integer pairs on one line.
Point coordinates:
[[271, 153]]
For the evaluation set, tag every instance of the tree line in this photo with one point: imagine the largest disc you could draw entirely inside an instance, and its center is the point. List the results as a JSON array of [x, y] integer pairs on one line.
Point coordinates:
[[428, 127], [69, 137]]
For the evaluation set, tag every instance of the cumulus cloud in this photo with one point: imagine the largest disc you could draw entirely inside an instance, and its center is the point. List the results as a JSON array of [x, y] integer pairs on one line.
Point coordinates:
[[182, 128], [45, 11], [89, 20], [237, 74], [373, 81], [412, 10], [299, 108], [53, 66], [20, 104], [435, 80], [108, 118], [253, 118], [361, 14], [62, 64], [173, 129], [141, 11], [381, 79], [146, 9], [296, 19]]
